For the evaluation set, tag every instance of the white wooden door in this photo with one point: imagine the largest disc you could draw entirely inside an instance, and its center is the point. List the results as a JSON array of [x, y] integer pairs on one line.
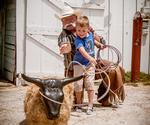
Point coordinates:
[[43, 28]]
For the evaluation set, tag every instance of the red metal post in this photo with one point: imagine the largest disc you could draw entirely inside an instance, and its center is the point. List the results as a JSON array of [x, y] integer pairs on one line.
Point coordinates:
[[136, 47]]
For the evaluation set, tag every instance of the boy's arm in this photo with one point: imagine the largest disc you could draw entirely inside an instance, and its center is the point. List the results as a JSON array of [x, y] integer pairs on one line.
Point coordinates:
[[99, 41], [87, 56]]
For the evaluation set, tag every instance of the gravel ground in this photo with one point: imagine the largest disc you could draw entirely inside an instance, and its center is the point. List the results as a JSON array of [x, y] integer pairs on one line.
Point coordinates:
[[135, 110]]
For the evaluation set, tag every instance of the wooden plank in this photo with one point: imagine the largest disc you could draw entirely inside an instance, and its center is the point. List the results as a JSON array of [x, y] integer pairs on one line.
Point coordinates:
[[43, 42], [10, 33], [11, 13], [34, 12], [10, 46], [39, 30], [1, 52], [10, 20], [9, 60], [10, 67], [58, 3], [9, 53], [0, 38], [10, 26], [11, 6], [8, 75], [0, 64], [9, 2], [10, 39], [78, 5]]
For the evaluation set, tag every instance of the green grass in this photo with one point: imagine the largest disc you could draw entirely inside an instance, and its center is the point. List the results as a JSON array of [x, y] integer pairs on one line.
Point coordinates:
[[145, 78]]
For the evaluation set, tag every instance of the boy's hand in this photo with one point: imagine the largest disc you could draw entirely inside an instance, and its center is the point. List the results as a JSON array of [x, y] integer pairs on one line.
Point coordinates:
[[92, 60], [101, 46]]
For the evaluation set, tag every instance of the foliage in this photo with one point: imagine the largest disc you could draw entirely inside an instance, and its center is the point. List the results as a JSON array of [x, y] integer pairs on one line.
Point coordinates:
[[143, 78]]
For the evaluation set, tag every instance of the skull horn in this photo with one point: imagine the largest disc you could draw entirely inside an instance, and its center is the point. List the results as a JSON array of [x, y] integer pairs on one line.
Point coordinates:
[[36, 81], [69, 80]]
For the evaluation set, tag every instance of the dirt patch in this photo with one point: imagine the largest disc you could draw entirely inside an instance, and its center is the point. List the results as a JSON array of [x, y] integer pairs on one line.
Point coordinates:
[[135, 110]]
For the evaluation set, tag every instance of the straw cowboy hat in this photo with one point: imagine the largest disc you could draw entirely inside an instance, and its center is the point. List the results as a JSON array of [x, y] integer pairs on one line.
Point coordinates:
[[68, 11]]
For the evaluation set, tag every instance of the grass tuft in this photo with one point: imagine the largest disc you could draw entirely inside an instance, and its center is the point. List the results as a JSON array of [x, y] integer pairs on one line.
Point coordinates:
[[145, 78]]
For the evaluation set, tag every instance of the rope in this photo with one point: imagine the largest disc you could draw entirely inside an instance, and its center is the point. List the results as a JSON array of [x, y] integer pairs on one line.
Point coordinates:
[[99, 72], [112, 64], [52, 100]]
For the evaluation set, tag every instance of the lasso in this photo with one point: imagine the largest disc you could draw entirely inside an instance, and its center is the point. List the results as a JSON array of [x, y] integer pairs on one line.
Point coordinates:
[[99, 71]]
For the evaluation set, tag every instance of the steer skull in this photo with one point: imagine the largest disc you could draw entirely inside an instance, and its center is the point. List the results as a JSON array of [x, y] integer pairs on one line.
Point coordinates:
[[52, 89]]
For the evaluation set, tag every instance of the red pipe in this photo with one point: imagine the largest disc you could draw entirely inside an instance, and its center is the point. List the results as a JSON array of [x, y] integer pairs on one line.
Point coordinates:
[[136, 47]]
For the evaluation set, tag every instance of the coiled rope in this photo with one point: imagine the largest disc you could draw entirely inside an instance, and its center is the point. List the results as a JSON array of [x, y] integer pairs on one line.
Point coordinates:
[[111, 64], [98, 71]]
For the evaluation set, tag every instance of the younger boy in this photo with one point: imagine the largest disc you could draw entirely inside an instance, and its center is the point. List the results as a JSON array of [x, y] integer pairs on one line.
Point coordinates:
[[85, 55]]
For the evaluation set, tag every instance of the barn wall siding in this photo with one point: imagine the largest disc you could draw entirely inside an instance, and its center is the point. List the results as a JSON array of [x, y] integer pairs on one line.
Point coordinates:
[[1, 40], [2, 29], [1, 46], [10, 41]]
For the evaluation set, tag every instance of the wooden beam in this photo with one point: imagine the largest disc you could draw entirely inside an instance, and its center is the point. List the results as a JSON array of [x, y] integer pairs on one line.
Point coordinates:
[[42, 41], [58, 3]]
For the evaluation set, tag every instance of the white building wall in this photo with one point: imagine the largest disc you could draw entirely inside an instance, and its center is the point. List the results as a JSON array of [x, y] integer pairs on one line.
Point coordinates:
[[120, 30], [39, 53], [145, 45], [115, 24], [129, 11]]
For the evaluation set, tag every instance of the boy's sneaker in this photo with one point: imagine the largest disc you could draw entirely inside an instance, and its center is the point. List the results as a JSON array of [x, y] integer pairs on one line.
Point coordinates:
[[90, 111], [78, 109]]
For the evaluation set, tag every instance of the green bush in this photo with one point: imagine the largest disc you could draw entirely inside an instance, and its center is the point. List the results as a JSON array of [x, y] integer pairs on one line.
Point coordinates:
[[143, 77]]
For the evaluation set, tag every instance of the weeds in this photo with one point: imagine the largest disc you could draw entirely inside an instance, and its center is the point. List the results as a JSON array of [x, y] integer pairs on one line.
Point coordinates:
[[145, 78]]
